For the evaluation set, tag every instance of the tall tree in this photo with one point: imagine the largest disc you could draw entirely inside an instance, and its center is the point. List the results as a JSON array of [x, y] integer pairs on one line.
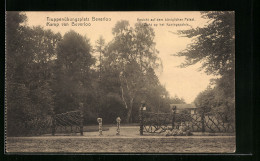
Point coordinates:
[[19, 105], [99, 48], [214, 46], [28, 75], [73, 80], [15, 47], [41, 74], [132, 53]]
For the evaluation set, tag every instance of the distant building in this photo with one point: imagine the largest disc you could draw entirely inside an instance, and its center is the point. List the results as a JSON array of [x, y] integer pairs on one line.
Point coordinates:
[[190, 108]]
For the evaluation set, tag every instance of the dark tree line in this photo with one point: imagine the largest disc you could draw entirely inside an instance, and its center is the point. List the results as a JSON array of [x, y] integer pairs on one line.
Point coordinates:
[[47, 74]]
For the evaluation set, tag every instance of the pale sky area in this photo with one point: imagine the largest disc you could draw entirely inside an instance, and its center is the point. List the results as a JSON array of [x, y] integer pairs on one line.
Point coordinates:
[[186, 83]]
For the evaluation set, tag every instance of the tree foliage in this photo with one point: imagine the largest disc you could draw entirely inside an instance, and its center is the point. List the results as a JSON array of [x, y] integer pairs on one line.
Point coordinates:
[[28, 72], [213, 45], [212, 101], [73, 78], [133, 56]]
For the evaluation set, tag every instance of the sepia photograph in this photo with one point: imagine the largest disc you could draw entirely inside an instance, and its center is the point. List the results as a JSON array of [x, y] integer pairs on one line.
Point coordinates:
[[120, 82]]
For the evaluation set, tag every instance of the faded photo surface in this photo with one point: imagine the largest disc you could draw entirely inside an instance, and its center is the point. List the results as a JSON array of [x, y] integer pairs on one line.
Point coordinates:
[[120, 82]]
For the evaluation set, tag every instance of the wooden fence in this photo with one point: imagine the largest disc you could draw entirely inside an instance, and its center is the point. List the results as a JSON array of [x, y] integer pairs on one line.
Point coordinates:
[[160, 122]]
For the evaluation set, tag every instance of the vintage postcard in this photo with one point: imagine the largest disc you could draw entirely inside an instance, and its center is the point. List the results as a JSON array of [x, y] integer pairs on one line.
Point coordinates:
[[120, 82]]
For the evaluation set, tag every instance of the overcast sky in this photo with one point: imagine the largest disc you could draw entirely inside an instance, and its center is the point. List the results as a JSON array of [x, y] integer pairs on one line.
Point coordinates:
[[183, 82]]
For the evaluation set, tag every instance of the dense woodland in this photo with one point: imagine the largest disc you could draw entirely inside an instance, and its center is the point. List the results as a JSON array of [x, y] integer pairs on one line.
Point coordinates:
[[47, 73]]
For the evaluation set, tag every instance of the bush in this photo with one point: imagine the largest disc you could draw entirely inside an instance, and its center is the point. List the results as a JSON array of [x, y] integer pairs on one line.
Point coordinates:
[[182, 131]]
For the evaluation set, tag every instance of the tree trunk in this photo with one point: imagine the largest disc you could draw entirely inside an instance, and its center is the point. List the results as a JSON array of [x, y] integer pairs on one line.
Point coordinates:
[[129, 112]]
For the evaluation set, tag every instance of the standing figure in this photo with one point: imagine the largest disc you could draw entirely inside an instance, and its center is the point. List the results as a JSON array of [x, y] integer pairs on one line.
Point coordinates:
[[173, 116]]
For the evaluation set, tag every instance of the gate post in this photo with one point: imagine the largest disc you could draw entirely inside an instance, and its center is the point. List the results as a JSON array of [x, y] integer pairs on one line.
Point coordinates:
[[99, 120], [81, 118], [173, 115], [53, 125], [202, 122], [118, 125], [81, 124], [141, 121], [141, 118]]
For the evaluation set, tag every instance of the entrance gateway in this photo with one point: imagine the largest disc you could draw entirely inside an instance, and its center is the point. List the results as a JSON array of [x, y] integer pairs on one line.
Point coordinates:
[[150, 122]]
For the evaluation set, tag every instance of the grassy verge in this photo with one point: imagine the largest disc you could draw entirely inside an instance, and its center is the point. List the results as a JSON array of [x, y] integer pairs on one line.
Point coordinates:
[[121, 145]]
